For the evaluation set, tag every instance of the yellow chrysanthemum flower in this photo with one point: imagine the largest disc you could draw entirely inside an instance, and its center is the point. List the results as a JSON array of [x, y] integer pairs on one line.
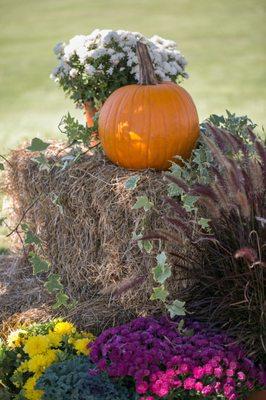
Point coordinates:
[[23, 367], [81, 345], [54, 338], [29, 388], [36, 345], [40, 362], [88, 335], [64, 328], [16, 339]]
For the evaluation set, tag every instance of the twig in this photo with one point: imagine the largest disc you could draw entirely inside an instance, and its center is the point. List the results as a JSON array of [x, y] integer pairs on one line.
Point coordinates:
[[24, 214], [64, 148], [7, 161]]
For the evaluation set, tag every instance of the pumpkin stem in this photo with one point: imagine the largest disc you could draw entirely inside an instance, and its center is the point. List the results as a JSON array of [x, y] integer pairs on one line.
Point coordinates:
[[146, 69]]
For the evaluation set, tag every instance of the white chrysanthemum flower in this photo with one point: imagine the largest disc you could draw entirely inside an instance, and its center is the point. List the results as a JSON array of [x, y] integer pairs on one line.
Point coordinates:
[[59, 48], [73, 72], [97, 53], [116, 58], [75, 44], [110, 71], [90, 70], [104, 52], [107, 39]]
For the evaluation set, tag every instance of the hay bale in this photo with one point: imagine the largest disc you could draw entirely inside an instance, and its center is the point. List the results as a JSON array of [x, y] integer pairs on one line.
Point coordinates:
[[22, 298], [87, 231]]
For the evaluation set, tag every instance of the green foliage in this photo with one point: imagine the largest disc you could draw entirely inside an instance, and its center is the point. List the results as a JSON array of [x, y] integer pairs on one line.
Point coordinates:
[[145, 245], [29, 236], [160, 293], [162, 271], [198, 170], [176, 308], [39, 265], [53, 283], [38, 145], [132, 182], [70, 380], [61, 300], [237, 125], [2, 167], [143, 202], [76, 132], [42, 162]]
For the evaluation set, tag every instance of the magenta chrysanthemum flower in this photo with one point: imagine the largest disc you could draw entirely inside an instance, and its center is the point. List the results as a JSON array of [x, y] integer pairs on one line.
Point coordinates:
[[161, 361]]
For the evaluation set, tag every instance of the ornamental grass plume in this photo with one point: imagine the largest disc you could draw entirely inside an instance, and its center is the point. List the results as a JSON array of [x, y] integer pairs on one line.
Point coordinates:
[[226, 228], [162, 363]]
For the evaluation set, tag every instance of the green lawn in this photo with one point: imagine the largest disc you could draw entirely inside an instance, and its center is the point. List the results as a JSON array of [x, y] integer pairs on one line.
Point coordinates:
[[224, 42]]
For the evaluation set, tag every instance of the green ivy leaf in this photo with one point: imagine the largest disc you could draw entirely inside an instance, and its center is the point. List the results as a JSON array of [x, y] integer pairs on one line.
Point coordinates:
[[31, 238], [38, 145], [2, 167], [159, 293], [61, 300], [53, 283], [204, 223], [38, 264], [143, 202], [131, 183], [56, 201], [189, 202], [42, 162], [161, 258], [180, 326], [161, 273], [147, 246], [177, 308]]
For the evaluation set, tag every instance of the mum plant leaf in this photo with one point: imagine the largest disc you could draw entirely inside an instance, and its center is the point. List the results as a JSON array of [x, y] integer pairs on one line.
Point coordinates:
[[38, 145], [143, 202]]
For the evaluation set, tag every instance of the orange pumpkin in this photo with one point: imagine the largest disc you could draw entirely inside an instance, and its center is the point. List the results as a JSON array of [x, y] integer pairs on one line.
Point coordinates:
[[147, 124]]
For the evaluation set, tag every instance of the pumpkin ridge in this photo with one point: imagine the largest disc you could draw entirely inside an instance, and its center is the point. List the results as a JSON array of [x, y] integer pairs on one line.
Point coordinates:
[[185, 99], [176, 108], [109, 110], [118, 134], [147, 89], [131, 115], [107, 119], [164, 119]]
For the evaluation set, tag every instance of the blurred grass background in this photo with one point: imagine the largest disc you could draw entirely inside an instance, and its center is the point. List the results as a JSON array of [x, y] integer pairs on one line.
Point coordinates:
[[223, 41]]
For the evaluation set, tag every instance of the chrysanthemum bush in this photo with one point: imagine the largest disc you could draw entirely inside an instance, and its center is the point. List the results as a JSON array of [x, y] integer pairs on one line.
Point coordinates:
[[163, 363], [29, 351], [92, 66]]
